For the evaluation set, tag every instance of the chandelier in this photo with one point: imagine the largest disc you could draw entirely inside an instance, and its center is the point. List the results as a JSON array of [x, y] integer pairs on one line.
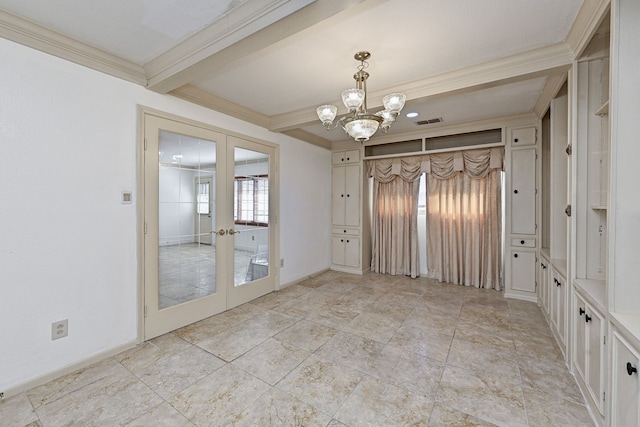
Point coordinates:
[[358, 123]]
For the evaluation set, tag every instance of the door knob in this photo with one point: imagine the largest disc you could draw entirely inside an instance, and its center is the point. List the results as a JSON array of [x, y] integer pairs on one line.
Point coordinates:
[[232, 231], [221, 232]]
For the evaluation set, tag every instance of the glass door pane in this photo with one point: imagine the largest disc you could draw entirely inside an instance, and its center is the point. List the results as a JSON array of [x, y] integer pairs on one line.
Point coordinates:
[[250, 215], [186, 218]]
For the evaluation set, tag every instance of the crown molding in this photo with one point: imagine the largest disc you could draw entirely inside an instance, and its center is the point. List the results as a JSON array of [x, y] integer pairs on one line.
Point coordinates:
[[30, 34], [551, 88], [527, 65], [585, 25], [198, 96]]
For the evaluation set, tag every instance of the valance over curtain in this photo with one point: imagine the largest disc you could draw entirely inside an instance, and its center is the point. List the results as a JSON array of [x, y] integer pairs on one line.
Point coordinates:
[[453, 244]]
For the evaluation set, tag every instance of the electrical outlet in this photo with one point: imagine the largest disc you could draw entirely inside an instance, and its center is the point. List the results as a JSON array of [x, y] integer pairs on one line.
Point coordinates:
[[281, 262], [59, 329]]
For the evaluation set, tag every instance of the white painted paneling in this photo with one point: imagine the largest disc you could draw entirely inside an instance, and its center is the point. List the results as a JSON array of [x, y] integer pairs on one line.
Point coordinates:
[[69, 247]]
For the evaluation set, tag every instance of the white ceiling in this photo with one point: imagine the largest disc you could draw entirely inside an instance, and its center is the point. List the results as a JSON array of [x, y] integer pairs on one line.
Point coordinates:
[[272, 62]]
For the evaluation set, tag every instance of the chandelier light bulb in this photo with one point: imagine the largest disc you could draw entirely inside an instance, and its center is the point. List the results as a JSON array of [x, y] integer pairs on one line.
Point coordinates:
[[394, 102], [353, 99], [326, 114]]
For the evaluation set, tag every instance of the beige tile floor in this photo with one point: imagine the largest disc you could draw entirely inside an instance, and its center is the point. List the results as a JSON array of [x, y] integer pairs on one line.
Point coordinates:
[[334, 350]]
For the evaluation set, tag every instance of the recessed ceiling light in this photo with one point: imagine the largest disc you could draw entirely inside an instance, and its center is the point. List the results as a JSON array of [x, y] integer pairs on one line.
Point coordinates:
[[412, 114]]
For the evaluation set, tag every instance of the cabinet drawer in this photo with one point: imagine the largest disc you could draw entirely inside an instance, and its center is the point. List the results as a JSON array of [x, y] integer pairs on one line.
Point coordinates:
[[526, 242], [346, 231]]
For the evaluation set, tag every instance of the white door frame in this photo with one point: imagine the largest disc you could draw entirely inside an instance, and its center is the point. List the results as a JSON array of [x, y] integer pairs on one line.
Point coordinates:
[[143, 112]]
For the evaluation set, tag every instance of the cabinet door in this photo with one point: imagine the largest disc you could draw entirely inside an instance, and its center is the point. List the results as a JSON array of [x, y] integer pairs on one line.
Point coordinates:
[[523, 191], [626, 389], [544, 286], [352, 196], [595, 349], [523, 270], [352, 252], [338, 179], [562, 308], [525, 136], [580, 352], [337, 250]]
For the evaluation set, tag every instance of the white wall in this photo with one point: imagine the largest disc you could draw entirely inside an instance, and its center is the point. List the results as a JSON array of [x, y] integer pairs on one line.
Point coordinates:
[[68, 146]]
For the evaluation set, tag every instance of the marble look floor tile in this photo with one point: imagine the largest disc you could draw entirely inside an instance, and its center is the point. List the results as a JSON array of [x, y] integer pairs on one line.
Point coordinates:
[[333, 316], [544, 409], [393, 298], [376, 403], [306, 335], [552, 379], [36, 423], [432, 321], [373, 326], [463, 354], [351, 350], [17, 411], [163, 415], [271, 300], [58, 388], [269, 323], [234, 342], [485, 333], [219, 397], [271, 360], [113, 400], [423, 342], [298, 308], [320, 296], [276, 408], [486, 315], [177, 371], [413, 372], [294, 291], [151, 351], [442, 416], [339, 286], [204, 329], [320, 383], [336, 423], [490, 396]]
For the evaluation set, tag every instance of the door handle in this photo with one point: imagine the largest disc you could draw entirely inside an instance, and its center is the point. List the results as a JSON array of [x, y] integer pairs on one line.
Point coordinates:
[[232, 231], [220, 232]]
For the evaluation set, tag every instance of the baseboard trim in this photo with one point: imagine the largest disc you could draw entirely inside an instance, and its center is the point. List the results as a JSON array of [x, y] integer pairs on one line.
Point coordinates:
[[14, 390], [302, 279]]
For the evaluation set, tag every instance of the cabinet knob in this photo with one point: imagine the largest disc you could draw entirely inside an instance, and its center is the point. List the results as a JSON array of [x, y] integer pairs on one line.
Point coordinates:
[[522, 242], [342, 195], [515, 140], [348, 159], [341, 240], [581, 311], [344, 231], [515, 191], [348, 195], [515, 255], [347, 240], [587, 318], [631, 369]]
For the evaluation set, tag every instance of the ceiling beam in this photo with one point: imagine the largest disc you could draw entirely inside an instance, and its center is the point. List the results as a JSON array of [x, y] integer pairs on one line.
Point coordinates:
[[211, 52], [309, 137], [518, 67]]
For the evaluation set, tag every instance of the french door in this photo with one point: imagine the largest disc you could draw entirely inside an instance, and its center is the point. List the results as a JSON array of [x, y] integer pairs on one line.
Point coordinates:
[[209, 210]]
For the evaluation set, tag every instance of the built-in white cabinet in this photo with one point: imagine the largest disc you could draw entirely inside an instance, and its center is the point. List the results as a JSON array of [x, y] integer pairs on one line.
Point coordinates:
[[625, 399], [521, 201], [544, 291], [589, 350], [349, 232], [558, 307]]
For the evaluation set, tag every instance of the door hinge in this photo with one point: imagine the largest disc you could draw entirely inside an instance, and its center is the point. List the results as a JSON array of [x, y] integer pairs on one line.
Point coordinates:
[[145, 311], [145, 143], [568, 210], [536, 156], [604, 396], [604, 340], [569, 150], [536, 191]]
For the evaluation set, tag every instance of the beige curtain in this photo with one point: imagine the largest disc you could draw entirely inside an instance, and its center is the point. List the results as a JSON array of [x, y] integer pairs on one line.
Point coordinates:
[[394, 238], [464, 220]]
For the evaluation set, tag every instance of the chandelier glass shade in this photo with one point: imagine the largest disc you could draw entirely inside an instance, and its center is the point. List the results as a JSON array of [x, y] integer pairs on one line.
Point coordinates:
[[358, 123]]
